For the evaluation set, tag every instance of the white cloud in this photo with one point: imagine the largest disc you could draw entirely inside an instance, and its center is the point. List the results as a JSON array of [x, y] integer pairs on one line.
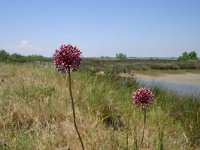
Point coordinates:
[[25, 44]]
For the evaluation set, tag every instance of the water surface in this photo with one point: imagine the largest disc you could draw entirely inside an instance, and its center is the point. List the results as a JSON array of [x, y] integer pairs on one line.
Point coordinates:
[[184, 89]]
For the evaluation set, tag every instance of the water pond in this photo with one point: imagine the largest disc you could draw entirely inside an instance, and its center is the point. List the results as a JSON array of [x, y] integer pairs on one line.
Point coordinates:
[[183, 89]]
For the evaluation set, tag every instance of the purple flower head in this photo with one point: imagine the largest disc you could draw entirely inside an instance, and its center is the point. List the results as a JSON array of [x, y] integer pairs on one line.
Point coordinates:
[[143, 97], [67, 58]]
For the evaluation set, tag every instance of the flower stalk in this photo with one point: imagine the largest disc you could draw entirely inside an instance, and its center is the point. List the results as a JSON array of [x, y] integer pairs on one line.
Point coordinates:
[[66, 59], [73, 110], [144, 125]]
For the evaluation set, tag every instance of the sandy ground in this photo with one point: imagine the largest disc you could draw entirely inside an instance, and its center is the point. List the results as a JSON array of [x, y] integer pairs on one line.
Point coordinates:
[[191, 78]]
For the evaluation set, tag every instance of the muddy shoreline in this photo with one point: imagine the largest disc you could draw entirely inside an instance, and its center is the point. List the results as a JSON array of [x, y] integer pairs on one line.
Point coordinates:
[[189, 78]]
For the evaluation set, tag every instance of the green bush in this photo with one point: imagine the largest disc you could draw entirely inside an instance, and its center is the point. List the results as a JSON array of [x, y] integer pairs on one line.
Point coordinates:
[[188, 56], [121, 56], [4, 55]]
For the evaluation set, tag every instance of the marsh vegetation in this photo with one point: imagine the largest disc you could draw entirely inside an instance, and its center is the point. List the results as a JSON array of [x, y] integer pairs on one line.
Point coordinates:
[[33, 113]]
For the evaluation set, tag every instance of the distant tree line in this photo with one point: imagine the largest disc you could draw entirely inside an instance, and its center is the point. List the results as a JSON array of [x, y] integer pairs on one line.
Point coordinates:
[[188, 56], [6, 57]]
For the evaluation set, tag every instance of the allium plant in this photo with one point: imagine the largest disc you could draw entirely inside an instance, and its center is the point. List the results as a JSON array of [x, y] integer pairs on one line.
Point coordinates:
[[143, 97], [66, 59]]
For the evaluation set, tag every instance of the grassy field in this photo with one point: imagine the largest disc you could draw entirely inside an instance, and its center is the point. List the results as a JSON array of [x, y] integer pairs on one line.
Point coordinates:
[[34, 115]]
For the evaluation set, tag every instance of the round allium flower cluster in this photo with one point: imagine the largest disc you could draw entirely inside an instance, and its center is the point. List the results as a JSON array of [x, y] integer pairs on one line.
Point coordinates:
[[67, 58], [143, 97]]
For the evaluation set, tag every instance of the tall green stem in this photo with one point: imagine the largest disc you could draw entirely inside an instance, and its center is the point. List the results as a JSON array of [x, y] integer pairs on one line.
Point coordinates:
[[144, 111], [73, 109]]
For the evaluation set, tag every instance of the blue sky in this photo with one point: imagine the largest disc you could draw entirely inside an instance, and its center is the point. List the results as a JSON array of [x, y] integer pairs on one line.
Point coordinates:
[[137, 28]]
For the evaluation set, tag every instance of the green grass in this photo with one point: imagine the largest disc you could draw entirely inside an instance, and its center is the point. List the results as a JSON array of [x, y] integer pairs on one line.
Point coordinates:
[[33, 113]]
